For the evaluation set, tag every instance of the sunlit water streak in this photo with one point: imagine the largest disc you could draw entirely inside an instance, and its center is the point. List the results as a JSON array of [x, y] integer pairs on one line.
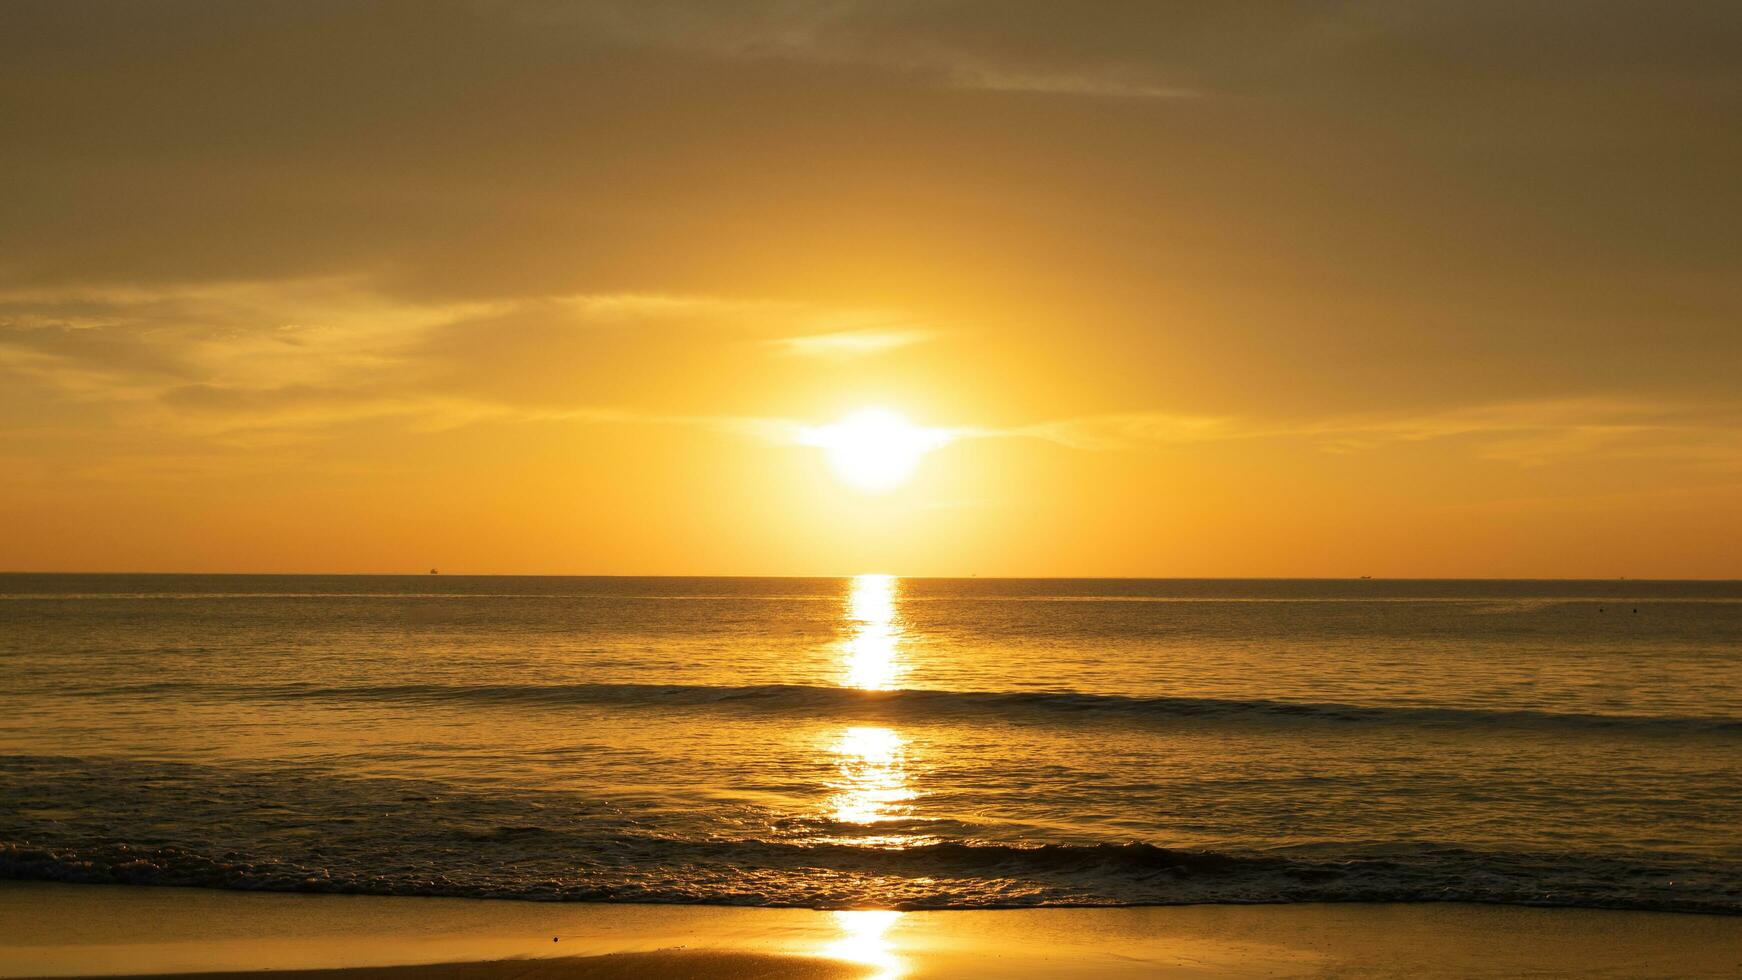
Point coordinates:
[[872, 661], [872, 760], [874, 779], [877, 743]]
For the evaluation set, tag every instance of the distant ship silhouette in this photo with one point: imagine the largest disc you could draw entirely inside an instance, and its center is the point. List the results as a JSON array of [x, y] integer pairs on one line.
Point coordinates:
[[434, 572]]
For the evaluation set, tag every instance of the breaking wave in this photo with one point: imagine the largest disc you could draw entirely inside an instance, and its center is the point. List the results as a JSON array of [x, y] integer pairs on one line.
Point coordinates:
[[923, 705]]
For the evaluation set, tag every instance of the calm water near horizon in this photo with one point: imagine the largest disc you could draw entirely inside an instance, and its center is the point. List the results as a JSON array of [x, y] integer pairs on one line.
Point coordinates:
[[878, 742]]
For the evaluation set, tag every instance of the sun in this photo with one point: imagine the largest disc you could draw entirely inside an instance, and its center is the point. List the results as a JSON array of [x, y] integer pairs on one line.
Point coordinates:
[[874, 448]]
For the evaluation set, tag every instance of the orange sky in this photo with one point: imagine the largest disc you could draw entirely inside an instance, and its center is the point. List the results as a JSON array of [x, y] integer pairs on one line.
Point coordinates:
[[1399, 289]]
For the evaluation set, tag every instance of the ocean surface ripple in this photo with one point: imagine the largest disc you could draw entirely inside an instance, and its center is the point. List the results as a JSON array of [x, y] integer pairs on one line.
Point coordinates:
[[876, 742]]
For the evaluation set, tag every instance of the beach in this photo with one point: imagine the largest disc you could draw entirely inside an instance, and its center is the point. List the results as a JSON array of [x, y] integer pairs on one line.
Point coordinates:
[[95, 930]]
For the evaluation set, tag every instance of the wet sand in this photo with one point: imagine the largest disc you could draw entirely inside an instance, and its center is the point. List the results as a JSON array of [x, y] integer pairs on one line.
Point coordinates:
[[74, 930]]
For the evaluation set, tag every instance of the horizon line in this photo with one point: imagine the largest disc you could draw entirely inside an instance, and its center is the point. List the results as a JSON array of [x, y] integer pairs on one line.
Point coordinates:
[[1003, 578]]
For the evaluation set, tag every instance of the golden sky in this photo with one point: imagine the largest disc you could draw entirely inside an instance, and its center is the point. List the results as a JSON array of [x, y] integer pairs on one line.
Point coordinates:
[[1230, 289]]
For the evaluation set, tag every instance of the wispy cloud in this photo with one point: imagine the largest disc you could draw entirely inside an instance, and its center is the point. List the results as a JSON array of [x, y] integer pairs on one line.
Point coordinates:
[[851, 343], [257, 363], [1526, 432], [924, 44], [1114, 83], [1531, 433], [1129, 430], [253, 362]]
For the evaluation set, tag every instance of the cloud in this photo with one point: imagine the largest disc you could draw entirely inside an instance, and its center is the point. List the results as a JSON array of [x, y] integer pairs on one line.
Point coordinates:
[[852, 343], [1129, 430], [1370, 52], [1114, 84], [950, 44], [253, 362], [1527, 432], [257, 361]]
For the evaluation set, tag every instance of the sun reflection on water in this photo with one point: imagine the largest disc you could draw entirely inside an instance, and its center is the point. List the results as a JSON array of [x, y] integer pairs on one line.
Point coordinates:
[[873, 784], [864, 940], [871, 661]]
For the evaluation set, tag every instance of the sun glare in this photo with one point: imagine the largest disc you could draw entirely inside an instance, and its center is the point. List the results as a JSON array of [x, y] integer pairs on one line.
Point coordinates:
[[872, 662], [874, 448], [864, 941]]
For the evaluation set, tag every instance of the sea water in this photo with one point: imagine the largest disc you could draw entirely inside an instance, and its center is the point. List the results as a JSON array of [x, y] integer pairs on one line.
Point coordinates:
[[877, 742]]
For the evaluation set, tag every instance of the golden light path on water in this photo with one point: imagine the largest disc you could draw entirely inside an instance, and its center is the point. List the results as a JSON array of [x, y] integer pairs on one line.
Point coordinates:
[[873, 785], [872, 763], [872, 663]]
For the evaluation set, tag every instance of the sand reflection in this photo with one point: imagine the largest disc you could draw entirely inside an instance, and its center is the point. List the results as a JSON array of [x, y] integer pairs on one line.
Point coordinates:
[[864, 940]]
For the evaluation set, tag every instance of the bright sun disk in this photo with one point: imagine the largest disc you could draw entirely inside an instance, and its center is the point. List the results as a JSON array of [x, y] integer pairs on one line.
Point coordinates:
[[874, 448]]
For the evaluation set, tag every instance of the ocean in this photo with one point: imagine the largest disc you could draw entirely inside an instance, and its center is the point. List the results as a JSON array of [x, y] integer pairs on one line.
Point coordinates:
[[877, 742]]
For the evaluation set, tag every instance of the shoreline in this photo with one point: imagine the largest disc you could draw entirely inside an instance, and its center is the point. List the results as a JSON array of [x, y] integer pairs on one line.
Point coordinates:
[[67, 930]]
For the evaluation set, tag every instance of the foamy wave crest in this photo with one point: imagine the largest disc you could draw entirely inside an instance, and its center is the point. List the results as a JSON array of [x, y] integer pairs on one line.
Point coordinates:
[[935, 876], [934, 705]]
